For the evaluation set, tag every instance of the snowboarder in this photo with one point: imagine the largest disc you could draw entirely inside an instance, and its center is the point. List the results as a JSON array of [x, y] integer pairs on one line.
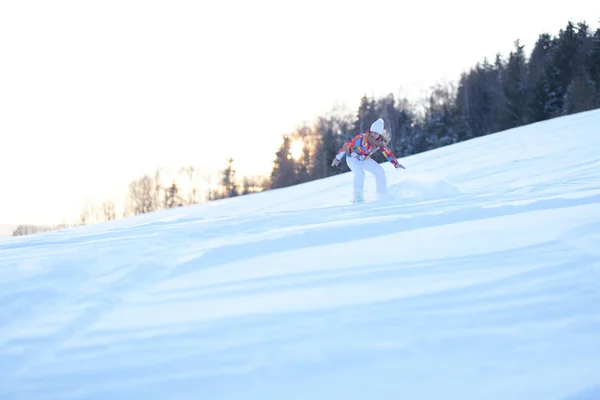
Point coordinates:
[[359, 150]]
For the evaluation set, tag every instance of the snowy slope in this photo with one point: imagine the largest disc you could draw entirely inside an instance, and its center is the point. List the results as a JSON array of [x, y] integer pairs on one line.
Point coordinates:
[[478, 279]]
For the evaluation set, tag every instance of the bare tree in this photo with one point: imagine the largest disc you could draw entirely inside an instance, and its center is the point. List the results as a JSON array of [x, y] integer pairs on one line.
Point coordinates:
[[90, 214], [142, 195], [24, 229], [193, 175], [108, 208]]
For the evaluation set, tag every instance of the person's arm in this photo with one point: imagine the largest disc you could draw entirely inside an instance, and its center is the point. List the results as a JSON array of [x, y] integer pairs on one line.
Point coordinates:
[[344, 149], [391, 157]]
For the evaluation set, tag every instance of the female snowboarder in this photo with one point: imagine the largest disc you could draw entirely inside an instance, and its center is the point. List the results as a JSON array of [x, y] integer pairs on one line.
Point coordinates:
[[359, 150]]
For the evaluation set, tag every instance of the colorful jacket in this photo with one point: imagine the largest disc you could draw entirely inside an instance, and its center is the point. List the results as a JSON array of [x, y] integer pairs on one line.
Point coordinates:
[[359, 147]]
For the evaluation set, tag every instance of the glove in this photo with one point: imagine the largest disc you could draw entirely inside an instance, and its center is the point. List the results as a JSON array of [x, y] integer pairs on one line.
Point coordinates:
[[400, 166], [335, 162]]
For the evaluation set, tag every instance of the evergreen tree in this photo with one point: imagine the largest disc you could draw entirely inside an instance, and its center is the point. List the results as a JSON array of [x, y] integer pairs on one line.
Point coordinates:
[[464, 102], [304, 135], [284, 171], [325, 148], [515, 89], [402, 127], [331, 131], [594, 66], [539, 57], [399, 116], [367, 113], [478, 99], [580, 95], [595, 55], [303, 166], [171, 196], [440, 123], [559, 73], [545, 97], [228, 183], [537, 81]]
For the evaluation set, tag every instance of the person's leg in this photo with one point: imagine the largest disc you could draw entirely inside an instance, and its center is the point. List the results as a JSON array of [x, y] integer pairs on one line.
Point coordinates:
[[373, 167], [359, 177]]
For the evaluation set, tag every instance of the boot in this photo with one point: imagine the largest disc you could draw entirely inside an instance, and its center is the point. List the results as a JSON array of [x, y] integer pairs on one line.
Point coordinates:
[[358, 198], [381, 196]]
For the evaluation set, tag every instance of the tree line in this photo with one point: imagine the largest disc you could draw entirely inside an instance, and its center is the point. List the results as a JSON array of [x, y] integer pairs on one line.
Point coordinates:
[[561, 76], [159, 191]]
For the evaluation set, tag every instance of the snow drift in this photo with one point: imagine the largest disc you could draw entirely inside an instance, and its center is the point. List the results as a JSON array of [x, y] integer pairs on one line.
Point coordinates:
[[423, 186]]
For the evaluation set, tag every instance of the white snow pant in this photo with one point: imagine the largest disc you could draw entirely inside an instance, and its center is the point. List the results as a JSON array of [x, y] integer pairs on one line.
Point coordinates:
[[359, 167]]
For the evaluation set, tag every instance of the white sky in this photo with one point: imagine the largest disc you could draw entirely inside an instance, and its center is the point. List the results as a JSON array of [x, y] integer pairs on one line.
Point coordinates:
[[93, 94]]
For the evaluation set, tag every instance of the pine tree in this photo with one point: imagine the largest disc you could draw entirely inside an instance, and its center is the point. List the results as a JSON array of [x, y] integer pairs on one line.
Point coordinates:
[[304, 135], [545, 96], [537, 79], [440, 123], [402, 127], [539, 57], [559, 73], [465, 105], [480, 99], [495, 80], [171, 196], [594, 65], [580, 95], [284, 171], [228, 183], [515, 89], [303, 166], [580, 92], [367, 114], [331, 132], [399, 116]]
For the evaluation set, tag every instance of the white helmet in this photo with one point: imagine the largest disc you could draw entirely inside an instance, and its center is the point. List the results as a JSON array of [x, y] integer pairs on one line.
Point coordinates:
[[377, 127]]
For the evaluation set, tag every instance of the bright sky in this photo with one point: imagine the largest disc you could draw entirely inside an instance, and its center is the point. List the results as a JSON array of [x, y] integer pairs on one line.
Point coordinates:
[[93, 94]]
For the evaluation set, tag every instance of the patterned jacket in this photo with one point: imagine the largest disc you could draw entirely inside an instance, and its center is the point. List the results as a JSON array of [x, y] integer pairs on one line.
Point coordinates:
[[359, 147]]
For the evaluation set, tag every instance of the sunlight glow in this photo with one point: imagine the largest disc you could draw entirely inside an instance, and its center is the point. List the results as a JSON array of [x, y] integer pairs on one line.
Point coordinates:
[[296, 149]]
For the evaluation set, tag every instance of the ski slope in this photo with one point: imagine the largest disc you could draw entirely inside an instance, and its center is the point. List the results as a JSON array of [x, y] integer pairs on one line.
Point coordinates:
[[478, 278]]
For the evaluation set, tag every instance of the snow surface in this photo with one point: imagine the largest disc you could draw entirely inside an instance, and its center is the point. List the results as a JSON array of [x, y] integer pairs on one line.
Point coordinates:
[[478, 278]]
